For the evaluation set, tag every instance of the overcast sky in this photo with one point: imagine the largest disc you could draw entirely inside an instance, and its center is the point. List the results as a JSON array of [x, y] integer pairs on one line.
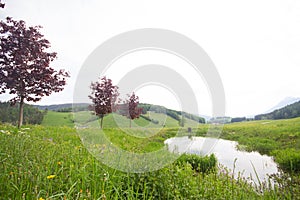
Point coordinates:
[[255, 45]]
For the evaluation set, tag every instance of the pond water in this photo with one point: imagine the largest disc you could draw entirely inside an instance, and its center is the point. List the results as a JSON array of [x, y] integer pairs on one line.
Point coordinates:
[[226, 153]]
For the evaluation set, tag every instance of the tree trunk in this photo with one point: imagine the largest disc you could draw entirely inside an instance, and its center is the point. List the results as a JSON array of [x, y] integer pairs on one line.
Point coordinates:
[[101, 123], [20, 122]]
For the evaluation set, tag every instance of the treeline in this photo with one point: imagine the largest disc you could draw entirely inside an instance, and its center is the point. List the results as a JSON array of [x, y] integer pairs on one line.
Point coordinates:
[[220, 120], [238, 119], [67, 107], [149, 119], [227, 120], [194, 117], [287, 112], [171, 113], [9, 114]]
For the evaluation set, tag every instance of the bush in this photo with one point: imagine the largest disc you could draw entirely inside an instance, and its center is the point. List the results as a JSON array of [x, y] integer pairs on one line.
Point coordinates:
[[198, 163], [288, 159]]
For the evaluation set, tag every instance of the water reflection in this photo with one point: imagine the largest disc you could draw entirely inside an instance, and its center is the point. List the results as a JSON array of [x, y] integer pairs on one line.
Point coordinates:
[[226, 153]]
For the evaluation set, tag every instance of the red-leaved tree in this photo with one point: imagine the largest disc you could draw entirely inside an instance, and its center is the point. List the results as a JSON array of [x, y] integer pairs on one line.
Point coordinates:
[[2, 4], [104, 97], [25, 64], [130, 108]]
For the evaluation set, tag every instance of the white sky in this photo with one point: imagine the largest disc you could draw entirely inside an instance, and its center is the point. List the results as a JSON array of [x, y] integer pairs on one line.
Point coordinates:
[[255, 45]]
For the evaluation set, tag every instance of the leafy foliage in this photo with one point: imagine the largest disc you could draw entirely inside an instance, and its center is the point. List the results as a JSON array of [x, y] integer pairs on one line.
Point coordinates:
[[9, 114], [288, 159], [198, 163], [130, 108], [104, 97]]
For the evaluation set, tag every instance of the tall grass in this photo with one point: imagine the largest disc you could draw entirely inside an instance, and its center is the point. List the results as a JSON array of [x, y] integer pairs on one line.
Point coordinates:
[[50, 163]]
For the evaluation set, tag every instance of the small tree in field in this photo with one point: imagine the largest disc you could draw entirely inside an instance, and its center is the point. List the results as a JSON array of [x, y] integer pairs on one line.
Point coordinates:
[[130, 108], [24, 64], [104, 97]]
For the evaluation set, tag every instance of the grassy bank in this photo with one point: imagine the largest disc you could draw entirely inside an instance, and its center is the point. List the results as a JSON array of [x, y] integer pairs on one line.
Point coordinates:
[[278, 138]]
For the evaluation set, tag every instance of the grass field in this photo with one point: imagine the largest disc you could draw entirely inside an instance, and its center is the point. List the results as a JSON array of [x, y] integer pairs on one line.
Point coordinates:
[[278, 138], [111, 121], [39, 162], [58, 119], [52, 162]]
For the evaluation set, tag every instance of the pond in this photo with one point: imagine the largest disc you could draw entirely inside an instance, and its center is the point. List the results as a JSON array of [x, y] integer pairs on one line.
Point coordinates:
[[247, 163]]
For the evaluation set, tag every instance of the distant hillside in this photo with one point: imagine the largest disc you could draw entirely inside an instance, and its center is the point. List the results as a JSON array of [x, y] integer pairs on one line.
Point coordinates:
[[287, 112], [283, 103], [67, 107], [177, 115]]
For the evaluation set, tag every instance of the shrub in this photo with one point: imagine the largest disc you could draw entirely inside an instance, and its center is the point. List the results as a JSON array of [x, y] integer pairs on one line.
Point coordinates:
[[198, 163], [288, 159]]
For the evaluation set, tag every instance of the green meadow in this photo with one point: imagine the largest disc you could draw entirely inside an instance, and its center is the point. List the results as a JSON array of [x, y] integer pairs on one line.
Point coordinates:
[[58, 119], [50, 161]]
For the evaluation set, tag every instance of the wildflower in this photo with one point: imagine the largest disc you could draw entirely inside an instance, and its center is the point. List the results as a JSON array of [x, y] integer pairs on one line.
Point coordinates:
[[51, 176], [78, 147], [105, 177], [80, 191], [5, 132], [41, 198], [59, 163]]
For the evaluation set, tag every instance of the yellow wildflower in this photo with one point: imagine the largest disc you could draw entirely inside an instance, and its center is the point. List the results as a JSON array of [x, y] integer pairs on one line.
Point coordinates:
[[51, 176], [59, 163], [41, 198]]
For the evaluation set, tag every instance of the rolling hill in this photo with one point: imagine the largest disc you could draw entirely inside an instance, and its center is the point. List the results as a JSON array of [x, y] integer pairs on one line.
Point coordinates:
[[285, 102], [86, 119], [287, 112], [152, 116]]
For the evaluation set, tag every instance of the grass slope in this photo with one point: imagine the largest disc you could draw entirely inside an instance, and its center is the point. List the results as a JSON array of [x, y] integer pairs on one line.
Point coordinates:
[[85, 118], [53, 118]]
